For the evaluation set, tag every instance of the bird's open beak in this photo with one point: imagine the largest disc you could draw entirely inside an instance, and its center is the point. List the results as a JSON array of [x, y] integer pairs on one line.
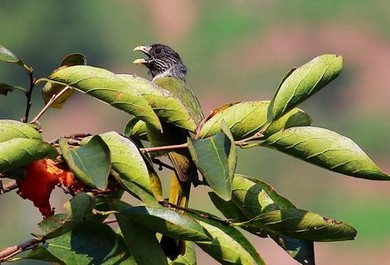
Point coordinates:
[[146, 51]]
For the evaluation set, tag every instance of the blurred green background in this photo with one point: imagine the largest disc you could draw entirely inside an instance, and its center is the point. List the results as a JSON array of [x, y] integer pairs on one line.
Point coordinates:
[[236, 51]]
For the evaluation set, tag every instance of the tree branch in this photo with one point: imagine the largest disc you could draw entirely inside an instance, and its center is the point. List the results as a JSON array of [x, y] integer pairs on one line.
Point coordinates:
[[30, 72], [4, 188], [10, 252], [163, 148], [49, 103], [244, 143]]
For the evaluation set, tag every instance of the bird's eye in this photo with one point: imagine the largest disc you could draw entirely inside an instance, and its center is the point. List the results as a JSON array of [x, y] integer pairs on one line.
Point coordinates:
[[158, 50]]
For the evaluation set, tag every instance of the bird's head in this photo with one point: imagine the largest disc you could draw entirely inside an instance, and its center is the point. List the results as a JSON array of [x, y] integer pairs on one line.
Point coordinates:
[[161, 61]]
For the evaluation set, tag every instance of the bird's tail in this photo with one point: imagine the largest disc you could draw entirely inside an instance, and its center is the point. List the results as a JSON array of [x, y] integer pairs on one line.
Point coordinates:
[[179, 194]]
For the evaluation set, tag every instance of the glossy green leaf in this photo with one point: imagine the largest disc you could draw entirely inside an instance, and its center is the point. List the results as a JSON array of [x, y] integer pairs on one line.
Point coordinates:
[[327, 149], [19, 152], [77, 208], [88, 243], [141, 242], [244, 119], [294, 118], [127, 160], [172, 101], [51, 89], [215, 157], [7, 56], [108, 87], [91, 162], [255, 196], [303, 82], [136, 128], [302, 224], [10, 129], [136, 190], [252, 197], [166, 221], [228, 245]]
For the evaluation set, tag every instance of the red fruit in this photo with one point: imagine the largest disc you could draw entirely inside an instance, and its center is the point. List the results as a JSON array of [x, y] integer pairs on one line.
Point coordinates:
[[41, 177]]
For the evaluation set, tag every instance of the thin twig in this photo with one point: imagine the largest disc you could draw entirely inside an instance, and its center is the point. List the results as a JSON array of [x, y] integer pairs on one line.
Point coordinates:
[[10, 252], [163, 148], [241, 143], [246, 142], [30, 72], [73, 139], [49, 103]]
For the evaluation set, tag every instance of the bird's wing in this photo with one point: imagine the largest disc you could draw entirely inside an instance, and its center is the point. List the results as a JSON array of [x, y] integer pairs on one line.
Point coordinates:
[[179, 89]]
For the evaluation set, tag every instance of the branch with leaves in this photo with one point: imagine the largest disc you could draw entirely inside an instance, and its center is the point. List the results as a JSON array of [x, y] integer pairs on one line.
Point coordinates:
[[97, 170]]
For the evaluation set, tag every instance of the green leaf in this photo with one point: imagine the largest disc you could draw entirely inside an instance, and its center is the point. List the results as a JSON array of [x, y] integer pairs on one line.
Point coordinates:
[[10, 129], [7, 56], [19, 152], [88, 243], [294, 118], [167, 222], [74, 59], [51, 89], [141, 242], [244, 119], [90, 162], [136, 190], [215, 157], [77, 208], [326, 149], [302, 224], [303, 83], [172, 101], [126, 160], [300, 250], [41, 253], [228, 245], [252, 197], [189, 257], [6, 88], [108, 87], [136, 128]]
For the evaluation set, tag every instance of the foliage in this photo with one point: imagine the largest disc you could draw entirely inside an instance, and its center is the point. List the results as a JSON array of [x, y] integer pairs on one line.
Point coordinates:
[[98, 170]]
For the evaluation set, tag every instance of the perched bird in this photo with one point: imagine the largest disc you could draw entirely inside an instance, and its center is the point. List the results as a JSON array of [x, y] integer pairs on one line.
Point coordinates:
[[165, 65]]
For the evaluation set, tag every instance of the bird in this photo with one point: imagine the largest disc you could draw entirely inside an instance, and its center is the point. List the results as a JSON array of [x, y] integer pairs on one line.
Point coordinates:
[[165, 63]]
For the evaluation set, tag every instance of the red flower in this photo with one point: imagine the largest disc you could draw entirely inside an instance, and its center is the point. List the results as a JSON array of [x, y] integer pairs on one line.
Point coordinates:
[[41, 177]]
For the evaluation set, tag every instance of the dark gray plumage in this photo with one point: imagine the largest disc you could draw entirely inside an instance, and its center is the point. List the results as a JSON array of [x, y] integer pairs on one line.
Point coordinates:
[[162, 61]]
